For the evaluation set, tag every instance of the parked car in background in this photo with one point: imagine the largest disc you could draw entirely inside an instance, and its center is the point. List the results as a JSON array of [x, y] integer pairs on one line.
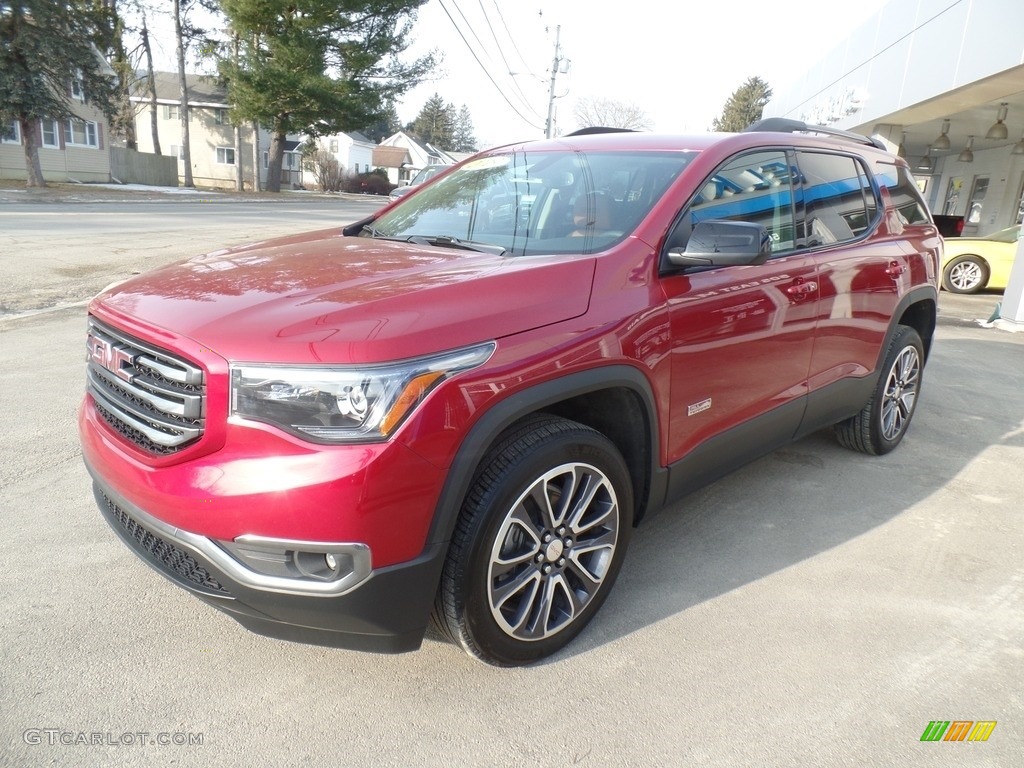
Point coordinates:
[[972, 264], [425, 174]]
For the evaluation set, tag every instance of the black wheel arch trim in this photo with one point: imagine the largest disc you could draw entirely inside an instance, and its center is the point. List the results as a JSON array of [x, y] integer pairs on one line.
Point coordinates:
[[916, 296], [536, 399]]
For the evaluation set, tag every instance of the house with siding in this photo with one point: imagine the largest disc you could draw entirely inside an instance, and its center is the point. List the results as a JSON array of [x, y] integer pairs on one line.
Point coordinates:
[[74, 149], [211, 134], [212, 137], [352, 150], [402, 155]]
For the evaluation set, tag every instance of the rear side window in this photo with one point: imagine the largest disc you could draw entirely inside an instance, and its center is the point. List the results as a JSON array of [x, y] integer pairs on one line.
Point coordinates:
[[838, 203], [906, 198], [755, 187]]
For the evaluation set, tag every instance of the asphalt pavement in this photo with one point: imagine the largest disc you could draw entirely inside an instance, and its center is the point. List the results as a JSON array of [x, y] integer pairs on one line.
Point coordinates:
[[816, 608]]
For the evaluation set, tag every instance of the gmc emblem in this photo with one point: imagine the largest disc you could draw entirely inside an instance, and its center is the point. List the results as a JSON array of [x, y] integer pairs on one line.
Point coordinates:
[[114, 358]]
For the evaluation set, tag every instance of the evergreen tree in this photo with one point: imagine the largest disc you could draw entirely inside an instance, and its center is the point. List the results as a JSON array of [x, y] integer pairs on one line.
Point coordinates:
[[436, 123], [318, 66], [744, 107], [464, 138], [46, 47], [388, 124]]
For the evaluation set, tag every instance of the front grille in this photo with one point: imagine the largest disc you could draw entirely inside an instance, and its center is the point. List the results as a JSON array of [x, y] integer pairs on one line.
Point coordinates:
[[176, 563], [151, 397]]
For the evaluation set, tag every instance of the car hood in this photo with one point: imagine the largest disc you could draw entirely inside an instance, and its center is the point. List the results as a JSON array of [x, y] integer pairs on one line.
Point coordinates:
[[325, 297]]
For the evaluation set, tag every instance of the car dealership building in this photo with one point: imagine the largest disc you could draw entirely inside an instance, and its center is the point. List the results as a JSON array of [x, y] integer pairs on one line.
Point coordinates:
[[942, 83]]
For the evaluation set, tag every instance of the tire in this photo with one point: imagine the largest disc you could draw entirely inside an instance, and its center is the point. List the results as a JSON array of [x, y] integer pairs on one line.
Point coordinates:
[[524, 575], [965, 274], [882, 423]]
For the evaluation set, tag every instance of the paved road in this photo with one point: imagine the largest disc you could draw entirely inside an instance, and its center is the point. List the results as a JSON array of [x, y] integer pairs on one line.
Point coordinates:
[[817, 608], [61, 253]]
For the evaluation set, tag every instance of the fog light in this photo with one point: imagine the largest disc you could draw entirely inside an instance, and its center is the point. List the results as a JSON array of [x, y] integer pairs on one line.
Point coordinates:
[[299, 567]]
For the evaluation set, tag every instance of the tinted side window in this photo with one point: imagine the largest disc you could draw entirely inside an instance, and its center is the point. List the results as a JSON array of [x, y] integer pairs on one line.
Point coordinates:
[[755, 188], [835, 207], [869, 195], [905, 196]]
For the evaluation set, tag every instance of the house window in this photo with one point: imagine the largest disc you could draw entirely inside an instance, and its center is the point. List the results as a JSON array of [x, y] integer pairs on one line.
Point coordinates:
[[77, 87], [220, 116], [334, 146], [172, 112], [289, 160], [10, 132], [178, 151], [80, 133], [50, 133], [225, 155]]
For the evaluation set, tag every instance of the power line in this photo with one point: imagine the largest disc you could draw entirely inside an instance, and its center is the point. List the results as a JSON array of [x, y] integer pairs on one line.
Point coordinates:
[[508, 67], [512, 40], [514, 108]]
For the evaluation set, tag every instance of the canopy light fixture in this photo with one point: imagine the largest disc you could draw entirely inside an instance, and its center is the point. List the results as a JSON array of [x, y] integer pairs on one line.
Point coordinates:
[[998, 129], [925, 163], [967, 156], [1018, 148], [943, 141]]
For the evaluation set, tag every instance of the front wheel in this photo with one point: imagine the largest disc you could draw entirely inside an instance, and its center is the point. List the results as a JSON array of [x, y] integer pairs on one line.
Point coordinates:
[[539, 542], [965, 274], [882, 423]]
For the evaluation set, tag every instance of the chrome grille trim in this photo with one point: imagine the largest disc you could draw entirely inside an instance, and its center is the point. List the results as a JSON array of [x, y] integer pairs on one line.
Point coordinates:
[[148, 395]]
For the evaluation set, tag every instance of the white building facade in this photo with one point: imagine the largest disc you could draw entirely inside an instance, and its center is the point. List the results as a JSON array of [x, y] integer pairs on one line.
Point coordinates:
[[920, 69], [942, 83]]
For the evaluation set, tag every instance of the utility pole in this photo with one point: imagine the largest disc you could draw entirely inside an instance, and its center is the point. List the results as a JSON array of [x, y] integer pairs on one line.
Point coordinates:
[[549, 130]]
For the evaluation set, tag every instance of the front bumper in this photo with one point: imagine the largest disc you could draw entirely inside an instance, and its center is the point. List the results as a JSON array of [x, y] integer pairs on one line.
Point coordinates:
[[384, 610]]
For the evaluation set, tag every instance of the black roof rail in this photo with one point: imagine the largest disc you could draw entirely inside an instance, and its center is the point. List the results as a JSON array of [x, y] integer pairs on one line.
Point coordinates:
[[786, 125], [599, 129]]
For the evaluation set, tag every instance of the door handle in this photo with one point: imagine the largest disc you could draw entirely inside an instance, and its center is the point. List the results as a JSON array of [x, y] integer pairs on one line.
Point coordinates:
[[801, 289], [895, 269]]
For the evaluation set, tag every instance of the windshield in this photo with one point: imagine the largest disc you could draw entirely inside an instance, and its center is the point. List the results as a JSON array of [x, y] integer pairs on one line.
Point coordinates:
[[427, 173], [526, 203]]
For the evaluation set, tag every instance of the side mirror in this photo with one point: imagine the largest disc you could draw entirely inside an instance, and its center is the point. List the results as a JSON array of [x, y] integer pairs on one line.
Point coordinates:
[[720, 243]]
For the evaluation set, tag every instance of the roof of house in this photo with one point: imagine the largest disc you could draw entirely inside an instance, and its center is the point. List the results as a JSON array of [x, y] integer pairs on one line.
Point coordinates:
[[390, 157], [203, 90]]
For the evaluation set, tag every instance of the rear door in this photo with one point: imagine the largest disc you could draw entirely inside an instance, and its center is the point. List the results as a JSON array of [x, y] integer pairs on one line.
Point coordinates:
[[864, 263]]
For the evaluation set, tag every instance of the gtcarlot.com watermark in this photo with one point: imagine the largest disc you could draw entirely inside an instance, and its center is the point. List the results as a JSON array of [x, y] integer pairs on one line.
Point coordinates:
[[64, 738]]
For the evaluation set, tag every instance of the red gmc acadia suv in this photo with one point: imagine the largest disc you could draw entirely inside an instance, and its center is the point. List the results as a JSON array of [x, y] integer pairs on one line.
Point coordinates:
[[458, 408]]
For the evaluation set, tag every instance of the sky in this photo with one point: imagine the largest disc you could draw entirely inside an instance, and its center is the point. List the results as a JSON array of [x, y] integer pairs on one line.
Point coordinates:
[[677, 63]]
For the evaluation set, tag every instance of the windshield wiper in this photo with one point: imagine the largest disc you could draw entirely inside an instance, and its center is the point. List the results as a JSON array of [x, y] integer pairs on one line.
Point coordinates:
[[447, 241]]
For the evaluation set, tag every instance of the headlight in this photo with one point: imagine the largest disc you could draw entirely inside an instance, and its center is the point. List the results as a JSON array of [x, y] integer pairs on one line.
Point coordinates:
[[350, 404]]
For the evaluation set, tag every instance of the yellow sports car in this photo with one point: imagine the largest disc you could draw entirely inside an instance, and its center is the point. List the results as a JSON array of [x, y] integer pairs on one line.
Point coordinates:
[[973, 263]]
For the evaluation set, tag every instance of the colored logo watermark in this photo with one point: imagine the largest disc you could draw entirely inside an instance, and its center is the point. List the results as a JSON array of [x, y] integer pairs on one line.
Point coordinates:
[[958, 730]]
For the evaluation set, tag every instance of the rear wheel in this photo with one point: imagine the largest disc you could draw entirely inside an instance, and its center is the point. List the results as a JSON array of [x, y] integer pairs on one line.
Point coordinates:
[[965, 274], [539, 542], [882, 423]]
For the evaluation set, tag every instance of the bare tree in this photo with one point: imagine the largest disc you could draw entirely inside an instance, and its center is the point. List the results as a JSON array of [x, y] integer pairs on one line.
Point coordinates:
[[607, 113], [327, 171], [183, 88], [150, 81]]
